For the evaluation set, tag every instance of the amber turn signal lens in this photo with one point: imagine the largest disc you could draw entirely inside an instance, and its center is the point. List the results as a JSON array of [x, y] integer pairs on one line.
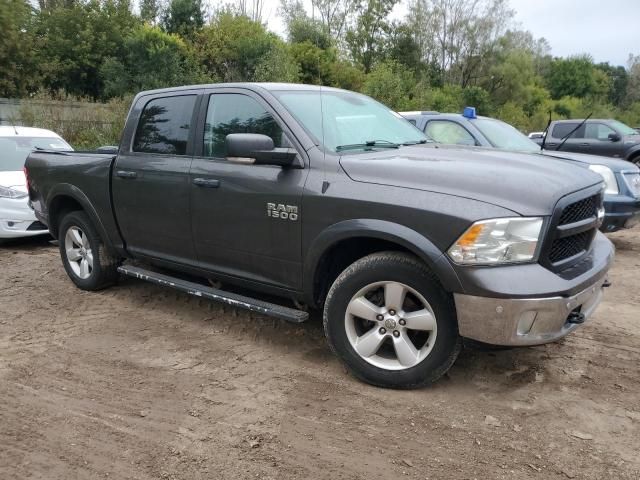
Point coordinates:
[[470, 237]]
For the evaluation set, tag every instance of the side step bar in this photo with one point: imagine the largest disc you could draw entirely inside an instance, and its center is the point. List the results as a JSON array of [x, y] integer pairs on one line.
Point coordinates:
[[240, 301]]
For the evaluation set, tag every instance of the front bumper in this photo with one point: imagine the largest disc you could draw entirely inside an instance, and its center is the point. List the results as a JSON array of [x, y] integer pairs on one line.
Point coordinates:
[[620, 212], [526, 321], [19, 229], [18, 220], [530, 318]]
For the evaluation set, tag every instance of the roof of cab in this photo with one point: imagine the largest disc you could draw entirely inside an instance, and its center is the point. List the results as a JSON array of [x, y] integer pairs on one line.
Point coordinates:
[[11, 131], [255, 85]]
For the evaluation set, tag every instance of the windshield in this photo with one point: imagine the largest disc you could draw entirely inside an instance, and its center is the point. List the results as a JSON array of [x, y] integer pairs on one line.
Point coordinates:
[[622, 128], [339, 119], [502, 135], [15, 150]]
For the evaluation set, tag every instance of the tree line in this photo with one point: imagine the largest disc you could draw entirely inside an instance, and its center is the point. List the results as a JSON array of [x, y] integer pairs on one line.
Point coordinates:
[[443, 55]]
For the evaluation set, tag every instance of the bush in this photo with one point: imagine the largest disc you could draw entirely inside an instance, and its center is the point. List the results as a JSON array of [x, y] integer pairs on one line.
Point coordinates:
[[84, 124]]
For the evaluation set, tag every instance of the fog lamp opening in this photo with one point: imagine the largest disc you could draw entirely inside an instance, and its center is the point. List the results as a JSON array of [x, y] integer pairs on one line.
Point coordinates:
[[526, 321]]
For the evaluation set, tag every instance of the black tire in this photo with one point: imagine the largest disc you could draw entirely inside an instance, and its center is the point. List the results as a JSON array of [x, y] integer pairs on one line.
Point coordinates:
[[105, 264], [406, 269]]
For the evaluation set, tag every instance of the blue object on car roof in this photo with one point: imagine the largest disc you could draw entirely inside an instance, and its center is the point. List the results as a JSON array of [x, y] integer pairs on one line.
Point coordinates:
[[469, 112]]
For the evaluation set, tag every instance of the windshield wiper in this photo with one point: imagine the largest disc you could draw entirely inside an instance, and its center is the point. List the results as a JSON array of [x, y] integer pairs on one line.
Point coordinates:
[[544, 134], [416, 142], [368, 145]]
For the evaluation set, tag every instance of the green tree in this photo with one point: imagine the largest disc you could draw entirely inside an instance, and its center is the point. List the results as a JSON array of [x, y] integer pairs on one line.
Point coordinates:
[[366, 39], [403, 48], [183, 17], [392, 84], [73, 42], [314, 62], [152, 59], [18, 74], [233, 46], [573, 76], [278, 65], [149, 11]]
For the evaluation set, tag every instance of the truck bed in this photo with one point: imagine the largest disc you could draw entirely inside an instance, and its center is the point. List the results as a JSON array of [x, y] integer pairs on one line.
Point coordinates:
[[54, 174]]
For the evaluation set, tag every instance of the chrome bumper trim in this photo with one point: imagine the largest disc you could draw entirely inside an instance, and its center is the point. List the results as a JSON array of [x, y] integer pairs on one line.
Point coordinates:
[[523, 321]]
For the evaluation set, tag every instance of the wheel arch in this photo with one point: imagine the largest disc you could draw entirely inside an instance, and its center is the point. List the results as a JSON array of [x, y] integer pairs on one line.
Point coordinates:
[[634, 155], [66, 198], [345, 242]]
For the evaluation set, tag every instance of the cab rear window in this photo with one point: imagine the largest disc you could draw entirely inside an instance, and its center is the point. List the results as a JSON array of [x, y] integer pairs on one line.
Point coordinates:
[[164, 125]]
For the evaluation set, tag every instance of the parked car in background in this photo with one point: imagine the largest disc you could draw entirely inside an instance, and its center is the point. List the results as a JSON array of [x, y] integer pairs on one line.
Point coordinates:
[[608, 137], [17, 219], [622, 195]]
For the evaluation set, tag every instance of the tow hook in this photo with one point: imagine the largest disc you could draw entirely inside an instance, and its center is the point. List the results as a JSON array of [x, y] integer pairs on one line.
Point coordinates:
[[606, 283], [576, 317]]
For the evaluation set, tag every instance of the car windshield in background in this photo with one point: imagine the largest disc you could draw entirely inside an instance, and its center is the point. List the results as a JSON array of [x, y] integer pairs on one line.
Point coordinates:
[[349, 121], [502, 135], [622, 128], [15, 150]]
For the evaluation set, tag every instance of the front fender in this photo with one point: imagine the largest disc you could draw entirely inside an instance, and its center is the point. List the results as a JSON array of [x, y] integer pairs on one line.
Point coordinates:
[[413, 241], [632, 152]]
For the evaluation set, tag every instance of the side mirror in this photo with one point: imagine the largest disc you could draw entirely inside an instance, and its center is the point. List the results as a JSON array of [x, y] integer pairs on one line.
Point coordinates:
[[254, 148], [614, 137]]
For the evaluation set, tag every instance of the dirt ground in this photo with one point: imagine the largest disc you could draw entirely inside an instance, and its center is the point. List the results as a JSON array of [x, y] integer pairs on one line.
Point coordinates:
[[139, 381]]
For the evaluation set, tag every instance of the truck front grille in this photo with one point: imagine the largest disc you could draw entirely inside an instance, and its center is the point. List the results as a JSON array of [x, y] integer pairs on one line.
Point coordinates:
[[573, 228], [580, 210], [563, 248]]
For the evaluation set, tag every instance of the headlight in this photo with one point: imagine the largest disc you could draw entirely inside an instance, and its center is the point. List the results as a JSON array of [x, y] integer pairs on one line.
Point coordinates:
[[498, 241], [611, 185], [7, 192]]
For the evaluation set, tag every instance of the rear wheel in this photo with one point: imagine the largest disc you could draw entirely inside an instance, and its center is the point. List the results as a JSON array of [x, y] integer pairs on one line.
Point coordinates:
[[391, 322], [84, 256]]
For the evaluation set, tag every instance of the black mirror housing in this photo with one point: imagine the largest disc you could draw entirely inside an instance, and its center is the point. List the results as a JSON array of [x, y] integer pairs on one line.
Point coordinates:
[[258, 149], [614, 137]]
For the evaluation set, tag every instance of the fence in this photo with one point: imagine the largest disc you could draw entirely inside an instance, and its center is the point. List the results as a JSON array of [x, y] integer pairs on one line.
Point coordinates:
[[83, 124]]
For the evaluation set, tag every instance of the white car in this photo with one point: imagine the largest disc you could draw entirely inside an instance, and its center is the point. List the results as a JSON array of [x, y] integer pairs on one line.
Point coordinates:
[[16, 216]]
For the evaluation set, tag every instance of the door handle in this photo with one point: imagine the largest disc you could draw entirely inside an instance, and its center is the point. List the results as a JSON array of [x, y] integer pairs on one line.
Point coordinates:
[[584, 144], [551, 144], [126, 174], [206, 182]]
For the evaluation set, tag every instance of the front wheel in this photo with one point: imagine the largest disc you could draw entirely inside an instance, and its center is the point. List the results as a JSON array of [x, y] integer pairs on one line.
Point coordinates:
[[85, 258], [391, 322]]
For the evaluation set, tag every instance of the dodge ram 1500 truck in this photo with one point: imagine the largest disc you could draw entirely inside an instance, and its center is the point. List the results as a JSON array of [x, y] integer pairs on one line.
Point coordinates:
[[328, 199]]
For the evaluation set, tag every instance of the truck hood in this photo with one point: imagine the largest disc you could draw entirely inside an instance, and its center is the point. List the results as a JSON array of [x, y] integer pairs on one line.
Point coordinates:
[[614, 164], [523, 183]]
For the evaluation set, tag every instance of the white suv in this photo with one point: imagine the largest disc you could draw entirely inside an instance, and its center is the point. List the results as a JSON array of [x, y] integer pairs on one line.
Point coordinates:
[[16, 217]]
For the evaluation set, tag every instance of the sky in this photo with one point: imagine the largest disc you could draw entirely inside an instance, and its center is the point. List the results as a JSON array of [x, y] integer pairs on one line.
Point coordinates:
[[606, 30]]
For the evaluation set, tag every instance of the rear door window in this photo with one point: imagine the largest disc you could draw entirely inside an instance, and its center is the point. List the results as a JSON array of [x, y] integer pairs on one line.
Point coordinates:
[[164, 125], [236, 113], [561, 130]]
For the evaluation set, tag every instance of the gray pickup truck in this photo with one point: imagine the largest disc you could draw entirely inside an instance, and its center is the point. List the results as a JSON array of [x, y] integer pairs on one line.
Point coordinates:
[[327, 199], [606, 137]]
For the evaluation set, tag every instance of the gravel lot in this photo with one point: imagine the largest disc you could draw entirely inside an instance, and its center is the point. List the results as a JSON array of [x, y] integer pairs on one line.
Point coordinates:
[[138, 381]]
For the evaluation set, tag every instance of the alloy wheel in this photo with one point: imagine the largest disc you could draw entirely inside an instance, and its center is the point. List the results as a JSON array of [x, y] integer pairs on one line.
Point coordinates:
[[79, 253], [390, 325]]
